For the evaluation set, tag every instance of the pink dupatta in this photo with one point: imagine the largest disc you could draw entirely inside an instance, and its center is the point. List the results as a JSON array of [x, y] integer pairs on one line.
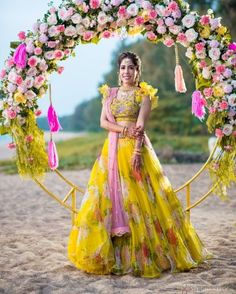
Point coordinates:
[[119, 219]]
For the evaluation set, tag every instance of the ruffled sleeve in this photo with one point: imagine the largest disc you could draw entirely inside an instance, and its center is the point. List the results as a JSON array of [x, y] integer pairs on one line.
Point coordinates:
[[104, 91], [147, 90]]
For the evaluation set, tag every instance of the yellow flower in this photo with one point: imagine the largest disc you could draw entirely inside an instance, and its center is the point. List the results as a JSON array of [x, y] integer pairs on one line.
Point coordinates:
[[147, 90], [104, 90], [205, 33], [135, 30], [218, 91], [41, 92], [221, 30], [19, 97]]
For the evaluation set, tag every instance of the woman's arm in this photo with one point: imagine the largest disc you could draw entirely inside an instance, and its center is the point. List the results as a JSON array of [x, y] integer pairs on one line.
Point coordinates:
[[144, 112], [104, 123]]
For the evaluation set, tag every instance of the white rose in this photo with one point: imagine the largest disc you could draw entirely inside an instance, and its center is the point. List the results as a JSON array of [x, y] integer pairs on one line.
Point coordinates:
[[188, 20], [30, 95], [70, 31], [52, 31], [132, 9], [214, 53], [232, 99], [49, 55], [86, 21], [191, 35], [206, 73], [52, 19], [227, 129], [80, 29], [189, 53], [160, 9], [102, 18], [1, 104], [201, 55], [76, 18], [175, 29]]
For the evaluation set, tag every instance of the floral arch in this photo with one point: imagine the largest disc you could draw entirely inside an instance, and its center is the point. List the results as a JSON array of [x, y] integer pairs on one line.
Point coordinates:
[[37, 53]]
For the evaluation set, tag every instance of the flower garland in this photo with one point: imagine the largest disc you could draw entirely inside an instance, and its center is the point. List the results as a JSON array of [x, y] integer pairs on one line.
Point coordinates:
[[53, 39]]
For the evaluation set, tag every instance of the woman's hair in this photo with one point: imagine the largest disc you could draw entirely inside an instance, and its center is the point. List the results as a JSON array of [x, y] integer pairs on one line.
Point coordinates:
[[136, 61]]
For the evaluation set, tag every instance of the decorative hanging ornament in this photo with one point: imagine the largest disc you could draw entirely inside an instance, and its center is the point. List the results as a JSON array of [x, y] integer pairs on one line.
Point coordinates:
[[52, 154], [53, 120], [20, 55], [179, 78], [198, 105]]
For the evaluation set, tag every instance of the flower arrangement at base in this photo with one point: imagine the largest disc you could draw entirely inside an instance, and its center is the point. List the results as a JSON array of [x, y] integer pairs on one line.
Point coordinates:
[[209, 48]]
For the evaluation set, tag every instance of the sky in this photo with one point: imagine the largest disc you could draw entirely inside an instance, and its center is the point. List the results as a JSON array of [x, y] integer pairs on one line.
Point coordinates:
[[81, 76]]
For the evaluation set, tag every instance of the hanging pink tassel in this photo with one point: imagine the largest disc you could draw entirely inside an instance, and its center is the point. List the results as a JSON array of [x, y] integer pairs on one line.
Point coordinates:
[[52, 155], [198, 105], [53, 121], [179, 79], [20, 55]]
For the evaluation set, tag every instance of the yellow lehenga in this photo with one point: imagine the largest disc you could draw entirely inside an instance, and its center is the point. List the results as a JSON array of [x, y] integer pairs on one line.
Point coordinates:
[[161, 238]]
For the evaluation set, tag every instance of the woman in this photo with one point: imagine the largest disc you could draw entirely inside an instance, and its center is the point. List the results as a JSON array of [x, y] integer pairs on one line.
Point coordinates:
[[130, 220]]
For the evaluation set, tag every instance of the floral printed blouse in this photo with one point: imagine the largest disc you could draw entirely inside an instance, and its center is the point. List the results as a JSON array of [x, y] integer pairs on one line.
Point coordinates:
[[127, 106]]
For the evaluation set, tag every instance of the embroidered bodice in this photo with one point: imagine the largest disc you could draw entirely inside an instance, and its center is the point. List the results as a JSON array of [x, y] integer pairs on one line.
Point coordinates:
[[126, 104]]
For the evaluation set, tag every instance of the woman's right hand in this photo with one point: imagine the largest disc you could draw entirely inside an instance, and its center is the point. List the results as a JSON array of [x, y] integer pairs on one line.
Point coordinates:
[[134, 132]]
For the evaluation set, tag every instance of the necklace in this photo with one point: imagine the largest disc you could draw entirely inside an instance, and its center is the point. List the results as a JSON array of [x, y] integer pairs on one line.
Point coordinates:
[[127, 89]]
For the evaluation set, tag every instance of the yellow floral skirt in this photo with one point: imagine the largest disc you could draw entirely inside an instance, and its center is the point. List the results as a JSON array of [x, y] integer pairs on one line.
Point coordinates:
[[160, 236]]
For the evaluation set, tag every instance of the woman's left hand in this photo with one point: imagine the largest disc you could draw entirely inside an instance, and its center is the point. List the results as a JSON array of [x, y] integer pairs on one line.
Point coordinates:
[[136, 162]]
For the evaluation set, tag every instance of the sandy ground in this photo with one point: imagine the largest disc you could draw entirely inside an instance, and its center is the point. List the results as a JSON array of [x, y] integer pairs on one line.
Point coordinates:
[[35, 229]]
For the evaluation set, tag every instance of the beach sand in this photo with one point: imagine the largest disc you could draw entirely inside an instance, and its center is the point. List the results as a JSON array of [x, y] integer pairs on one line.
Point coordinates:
[[35, 230]]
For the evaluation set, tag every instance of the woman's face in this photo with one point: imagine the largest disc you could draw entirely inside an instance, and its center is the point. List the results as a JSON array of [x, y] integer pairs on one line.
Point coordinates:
[[128, 71]]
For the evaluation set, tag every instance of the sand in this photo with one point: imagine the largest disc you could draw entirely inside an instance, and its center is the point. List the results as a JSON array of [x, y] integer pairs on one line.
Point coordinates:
[[35, 229]]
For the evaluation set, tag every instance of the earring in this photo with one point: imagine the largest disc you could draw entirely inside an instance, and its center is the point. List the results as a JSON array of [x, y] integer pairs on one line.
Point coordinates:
[[119, 81]]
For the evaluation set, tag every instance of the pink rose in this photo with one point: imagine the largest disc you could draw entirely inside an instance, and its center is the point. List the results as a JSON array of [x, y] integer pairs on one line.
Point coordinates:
[[122, 13], [38, 51], [228, 89], [106, 34], [152, 14], [39, 80], [200, 46], [151, 36], [38, 112], [43, 38], [43, 28], [2, 74], [21, 36], [32, 61], [29, 138], [58, 54], [202, 64], [228, 73], [19, 80], [173, 6], [11, 145], [205, 20], [220, 69], [70, 31], [168, 42], [94, 4], [67, 52], [219, 133], [60, 69], [52, 10], [60, 28], [182, 38], [223, 105], [11, 113], [88, 35], [175, 29], [208, 92], [212, 109], [139, 20], [52, 44]]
